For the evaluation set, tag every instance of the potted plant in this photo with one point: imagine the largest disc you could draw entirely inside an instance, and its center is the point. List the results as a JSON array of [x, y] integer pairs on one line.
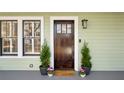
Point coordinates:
[[85, 61], [44, 58], [82, 72], [50, 71]]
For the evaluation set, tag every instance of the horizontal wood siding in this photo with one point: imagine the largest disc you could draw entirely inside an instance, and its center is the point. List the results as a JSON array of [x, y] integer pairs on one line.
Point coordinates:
[[19, 63], [105, 34]]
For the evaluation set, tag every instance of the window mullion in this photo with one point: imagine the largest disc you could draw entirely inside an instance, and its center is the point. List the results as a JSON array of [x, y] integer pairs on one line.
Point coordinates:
[[1, 37], [10, 39], [10, 36], [20, 37], [32, 37], [2, 45]]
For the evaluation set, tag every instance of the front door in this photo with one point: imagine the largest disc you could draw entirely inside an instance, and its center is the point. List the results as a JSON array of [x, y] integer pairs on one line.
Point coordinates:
[[64, 44]]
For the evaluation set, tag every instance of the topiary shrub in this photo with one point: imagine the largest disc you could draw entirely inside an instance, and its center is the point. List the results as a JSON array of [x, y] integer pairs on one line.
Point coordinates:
[[85, 52], [45, 55]]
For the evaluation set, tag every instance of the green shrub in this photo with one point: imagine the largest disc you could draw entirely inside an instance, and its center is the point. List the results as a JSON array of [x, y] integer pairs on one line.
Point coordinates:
[[45, 55], [85, 52]]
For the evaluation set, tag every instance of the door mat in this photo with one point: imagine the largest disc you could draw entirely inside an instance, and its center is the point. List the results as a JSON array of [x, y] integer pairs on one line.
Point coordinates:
[[64, 72]]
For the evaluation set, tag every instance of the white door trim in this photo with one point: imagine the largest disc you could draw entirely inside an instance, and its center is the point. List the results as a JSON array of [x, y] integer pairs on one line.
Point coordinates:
[[75, 18]]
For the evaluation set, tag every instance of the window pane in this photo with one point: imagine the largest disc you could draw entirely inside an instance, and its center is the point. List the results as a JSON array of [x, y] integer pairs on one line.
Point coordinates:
[[37, 28], [8, 30], [27, 45], [36, 44], [68, 28], [3, 29], [63, 28], [6, 45], [58, 28], [27, 28], [14, 28], [14, 45]]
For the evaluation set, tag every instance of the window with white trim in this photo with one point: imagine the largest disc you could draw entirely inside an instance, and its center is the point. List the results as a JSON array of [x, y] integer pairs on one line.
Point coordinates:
[[8, 37], [21, 36], [31, 37]]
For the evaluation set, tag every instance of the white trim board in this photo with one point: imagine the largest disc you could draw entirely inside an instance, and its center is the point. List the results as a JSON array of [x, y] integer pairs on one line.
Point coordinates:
[[20, 20], [75, 18]]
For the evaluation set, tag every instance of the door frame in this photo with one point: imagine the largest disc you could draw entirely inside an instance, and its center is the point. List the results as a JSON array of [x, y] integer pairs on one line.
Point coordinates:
[[75, 18]]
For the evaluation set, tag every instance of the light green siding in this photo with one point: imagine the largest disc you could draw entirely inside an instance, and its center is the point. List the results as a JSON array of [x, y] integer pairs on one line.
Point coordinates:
[[19, 63], [105, 35]]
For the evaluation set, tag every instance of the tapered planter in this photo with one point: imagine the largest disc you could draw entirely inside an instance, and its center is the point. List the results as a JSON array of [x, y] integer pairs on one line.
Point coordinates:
[[87, 70], [43, 70]]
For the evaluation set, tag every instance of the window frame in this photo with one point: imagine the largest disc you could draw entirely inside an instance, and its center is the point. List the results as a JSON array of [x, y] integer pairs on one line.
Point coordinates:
[[9, 37], [32, 37], [20, 33]]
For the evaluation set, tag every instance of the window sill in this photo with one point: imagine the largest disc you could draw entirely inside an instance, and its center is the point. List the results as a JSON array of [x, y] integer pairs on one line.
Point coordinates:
[[19, 57]]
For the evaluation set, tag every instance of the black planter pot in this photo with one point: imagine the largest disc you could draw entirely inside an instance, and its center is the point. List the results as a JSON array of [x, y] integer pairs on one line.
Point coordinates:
[[43, 70], [87, 70]]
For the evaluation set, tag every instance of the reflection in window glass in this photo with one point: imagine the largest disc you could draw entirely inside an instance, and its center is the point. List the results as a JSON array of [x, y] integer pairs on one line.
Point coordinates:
[[14, 45], [6, 45], [36, 28], [27, 28], [14, 29], [36, 44], [3, 29], [31, 37], [9, 37], [28, 45], [8, 30]]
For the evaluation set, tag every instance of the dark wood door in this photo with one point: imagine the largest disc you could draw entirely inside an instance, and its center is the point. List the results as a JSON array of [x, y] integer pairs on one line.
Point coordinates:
[[64, 44]]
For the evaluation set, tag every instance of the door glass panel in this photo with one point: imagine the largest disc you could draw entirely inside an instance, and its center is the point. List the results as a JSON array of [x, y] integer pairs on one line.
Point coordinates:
[[58, 28], [63, 28], [69, 28]]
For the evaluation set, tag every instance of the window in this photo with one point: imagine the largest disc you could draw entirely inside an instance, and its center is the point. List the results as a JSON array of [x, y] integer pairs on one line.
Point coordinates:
[[31, 37], [8, 37], [21, 36], [64, 28]]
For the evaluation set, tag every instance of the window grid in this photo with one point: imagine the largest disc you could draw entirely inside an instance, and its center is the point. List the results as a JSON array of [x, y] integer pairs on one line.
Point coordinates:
[[31, 36], [19, 41], [7, 29], [64, 28]]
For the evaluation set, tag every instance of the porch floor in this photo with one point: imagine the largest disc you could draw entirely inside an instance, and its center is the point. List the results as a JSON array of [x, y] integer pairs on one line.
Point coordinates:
[[35, 75]]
